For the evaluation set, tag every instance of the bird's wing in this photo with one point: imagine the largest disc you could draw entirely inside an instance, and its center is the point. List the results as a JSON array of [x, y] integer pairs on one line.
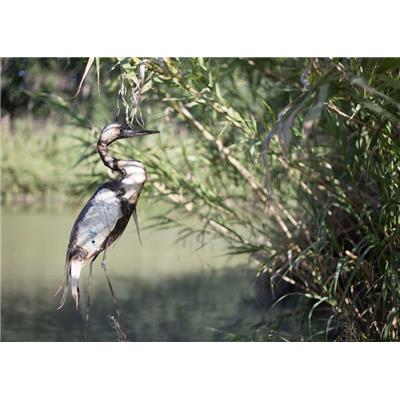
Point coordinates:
[[92, 229], [96, 224], [135, 218]]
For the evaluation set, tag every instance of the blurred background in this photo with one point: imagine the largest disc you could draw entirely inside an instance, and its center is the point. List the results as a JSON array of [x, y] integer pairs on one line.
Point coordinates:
[[271, 210]]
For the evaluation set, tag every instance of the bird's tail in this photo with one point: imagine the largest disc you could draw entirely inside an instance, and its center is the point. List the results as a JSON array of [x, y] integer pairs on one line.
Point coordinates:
[[72, 273], [75, 271], [65, 285]]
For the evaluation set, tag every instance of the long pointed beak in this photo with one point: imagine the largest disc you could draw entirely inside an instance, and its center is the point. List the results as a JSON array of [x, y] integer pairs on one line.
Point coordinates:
[[128, 133]]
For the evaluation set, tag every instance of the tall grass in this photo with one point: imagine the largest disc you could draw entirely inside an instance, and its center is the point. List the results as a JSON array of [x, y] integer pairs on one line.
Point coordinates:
[[322, 211], [40, 164]]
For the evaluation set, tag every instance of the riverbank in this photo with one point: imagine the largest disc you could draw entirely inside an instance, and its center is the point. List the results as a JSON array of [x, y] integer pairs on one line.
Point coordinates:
[[40, 164]]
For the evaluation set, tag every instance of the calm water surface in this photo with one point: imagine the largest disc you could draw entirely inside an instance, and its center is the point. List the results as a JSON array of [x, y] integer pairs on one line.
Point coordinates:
[[167, 291]]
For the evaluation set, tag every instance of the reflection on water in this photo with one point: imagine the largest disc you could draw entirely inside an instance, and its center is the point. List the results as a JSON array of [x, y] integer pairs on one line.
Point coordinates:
[[198, 307], [166, 291]]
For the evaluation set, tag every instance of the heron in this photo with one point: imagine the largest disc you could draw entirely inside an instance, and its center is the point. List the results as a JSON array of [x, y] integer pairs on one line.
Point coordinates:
[[105, 216]]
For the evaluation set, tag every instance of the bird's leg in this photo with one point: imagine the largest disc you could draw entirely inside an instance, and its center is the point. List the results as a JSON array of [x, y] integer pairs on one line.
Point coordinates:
[[103, 261], [114, 299], [88, 301]]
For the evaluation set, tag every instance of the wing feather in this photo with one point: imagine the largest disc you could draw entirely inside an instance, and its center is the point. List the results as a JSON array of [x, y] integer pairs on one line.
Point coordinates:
[[96, 225]]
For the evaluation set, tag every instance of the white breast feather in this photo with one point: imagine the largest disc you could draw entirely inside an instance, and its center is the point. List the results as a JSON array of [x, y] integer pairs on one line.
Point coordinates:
[[133, 182], [99, 221]]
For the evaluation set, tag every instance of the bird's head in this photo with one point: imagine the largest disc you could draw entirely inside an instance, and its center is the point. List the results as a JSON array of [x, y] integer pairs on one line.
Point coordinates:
[[117, 131], [111, 133]]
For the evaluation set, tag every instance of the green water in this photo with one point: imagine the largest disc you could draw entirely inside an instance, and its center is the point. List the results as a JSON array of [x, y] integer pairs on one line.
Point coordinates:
[[167, 291]]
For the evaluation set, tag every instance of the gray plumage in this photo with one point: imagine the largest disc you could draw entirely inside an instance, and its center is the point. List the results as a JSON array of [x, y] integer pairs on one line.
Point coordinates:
[[106, 214]]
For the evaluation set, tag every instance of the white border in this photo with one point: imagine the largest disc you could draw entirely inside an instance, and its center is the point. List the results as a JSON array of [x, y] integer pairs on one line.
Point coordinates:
[[208, 28], [199, 371]]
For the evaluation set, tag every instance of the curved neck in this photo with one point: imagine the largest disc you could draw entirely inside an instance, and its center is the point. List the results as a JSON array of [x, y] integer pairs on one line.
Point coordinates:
[[107, 159], [131, 171]]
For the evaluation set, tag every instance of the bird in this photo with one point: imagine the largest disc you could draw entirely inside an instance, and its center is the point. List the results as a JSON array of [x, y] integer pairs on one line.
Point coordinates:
[[106, 214]]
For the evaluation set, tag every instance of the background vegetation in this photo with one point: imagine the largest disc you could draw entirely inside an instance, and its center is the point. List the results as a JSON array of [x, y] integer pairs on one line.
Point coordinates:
[[294, 162]]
